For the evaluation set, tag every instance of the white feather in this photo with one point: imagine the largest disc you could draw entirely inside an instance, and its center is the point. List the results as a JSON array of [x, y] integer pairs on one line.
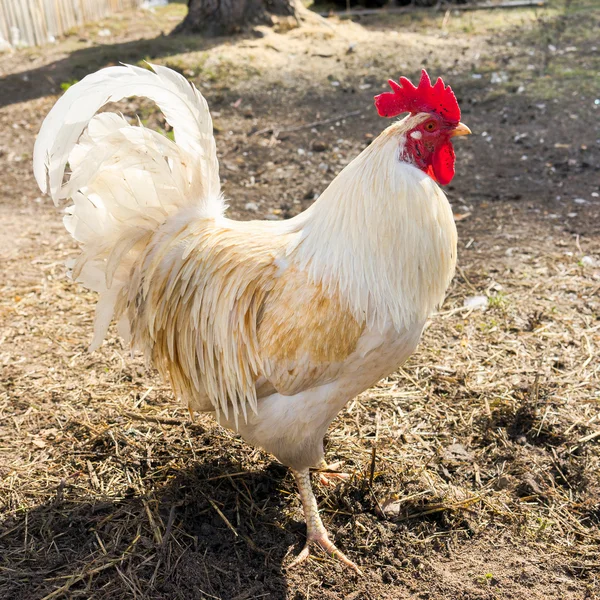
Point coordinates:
[[182, 104], [393, 259], [125, 181]]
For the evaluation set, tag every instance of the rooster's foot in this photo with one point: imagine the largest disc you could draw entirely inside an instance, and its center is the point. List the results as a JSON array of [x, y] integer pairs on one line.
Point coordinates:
[[315, 530], [329, 548]]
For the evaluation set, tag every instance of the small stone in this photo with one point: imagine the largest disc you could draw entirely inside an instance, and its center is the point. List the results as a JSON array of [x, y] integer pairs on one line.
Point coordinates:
[[588, 261], [530, 486], [391, 507], [502, 483], [476, 302], [319, 146], [251, 206], [457, 452]]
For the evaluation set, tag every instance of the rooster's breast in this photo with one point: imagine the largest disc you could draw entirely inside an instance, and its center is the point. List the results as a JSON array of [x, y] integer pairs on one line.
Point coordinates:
[[292, 426]]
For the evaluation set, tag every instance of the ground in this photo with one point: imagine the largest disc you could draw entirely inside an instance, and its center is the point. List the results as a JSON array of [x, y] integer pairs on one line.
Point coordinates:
[[476, 466]]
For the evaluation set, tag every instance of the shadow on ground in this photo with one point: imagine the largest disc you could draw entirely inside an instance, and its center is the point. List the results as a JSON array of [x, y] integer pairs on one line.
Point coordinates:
[[184, 538], [46, 80]]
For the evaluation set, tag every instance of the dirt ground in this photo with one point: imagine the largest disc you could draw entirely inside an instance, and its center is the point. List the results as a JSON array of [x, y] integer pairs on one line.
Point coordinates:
[[476, 466]]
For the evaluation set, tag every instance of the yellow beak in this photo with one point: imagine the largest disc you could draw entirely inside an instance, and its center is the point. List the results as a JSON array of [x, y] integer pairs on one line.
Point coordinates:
[[460, 129]]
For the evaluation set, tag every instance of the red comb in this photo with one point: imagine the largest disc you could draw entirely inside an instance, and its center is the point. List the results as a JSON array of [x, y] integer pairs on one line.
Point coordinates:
[[405, 97]]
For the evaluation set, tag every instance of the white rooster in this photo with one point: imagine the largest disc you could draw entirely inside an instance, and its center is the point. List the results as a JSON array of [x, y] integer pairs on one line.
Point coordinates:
[[271, 326]]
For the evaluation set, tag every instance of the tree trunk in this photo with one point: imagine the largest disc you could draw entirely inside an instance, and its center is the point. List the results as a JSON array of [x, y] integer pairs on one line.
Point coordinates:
[[224, 17]]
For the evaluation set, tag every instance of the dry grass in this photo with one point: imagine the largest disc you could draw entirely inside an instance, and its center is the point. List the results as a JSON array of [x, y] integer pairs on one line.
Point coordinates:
[[475, 465], [490, 431]]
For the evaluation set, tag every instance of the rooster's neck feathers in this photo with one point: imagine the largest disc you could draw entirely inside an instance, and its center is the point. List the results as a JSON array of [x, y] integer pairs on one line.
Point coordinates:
[[382, 235]]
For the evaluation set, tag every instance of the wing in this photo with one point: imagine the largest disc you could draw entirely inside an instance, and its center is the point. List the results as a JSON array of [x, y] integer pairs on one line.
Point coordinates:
[[226, 324], [198, 292], [305, 334]]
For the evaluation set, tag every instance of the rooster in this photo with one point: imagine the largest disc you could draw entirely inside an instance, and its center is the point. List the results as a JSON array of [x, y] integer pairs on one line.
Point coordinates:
[[270, 326]]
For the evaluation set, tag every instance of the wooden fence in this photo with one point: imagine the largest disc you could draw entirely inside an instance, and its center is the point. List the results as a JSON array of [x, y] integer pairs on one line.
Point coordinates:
[[37, 22]]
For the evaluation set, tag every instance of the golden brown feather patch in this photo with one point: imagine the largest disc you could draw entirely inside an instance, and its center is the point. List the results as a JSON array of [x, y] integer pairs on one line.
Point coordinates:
[[304, 333], [217, 317], [199, 292]]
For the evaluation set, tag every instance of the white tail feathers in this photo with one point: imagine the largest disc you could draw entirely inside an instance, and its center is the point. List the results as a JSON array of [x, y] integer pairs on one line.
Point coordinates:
[[125, 181]]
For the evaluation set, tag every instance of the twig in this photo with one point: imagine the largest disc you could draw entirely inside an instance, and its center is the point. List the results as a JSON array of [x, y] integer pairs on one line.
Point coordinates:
[[466, 279], [276, 131], [158, 538], [441, 508], [209, 595], [453, 311], [148, 419], [588, 438], [370, 482], [169, 527], [86, 573], [76, 578], [228, 475], [372, 469], [220, 513]]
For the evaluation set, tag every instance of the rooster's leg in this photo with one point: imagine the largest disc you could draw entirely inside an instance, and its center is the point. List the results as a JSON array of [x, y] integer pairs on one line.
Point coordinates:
[[326, 476], [315, 530]]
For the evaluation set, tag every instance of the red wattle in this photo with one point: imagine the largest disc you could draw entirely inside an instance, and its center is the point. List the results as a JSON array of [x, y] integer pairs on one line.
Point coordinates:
[[443, 163], [431, 173]]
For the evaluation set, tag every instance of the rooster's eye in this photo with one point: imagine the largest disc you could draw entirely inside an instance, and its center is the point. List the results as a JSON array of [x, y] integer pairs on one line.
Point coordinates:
[[431, 126]]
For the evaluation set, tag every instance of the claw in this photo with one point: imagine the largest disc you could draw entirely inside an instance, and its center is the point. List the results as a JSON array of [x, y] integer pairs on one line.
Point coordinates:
[[304, 554], [328, 478], [329, 548], [330, 472]]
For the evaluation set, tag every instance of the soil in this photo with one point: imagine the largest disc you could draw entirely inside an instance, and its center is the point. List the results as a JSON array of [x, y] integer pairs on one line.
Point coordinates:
[[475, 466]]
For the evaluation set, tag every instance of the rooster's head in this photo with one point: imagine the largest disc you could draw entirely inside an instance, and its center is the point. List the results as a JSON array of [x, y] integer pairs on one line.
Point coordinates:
[[434, 119]]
